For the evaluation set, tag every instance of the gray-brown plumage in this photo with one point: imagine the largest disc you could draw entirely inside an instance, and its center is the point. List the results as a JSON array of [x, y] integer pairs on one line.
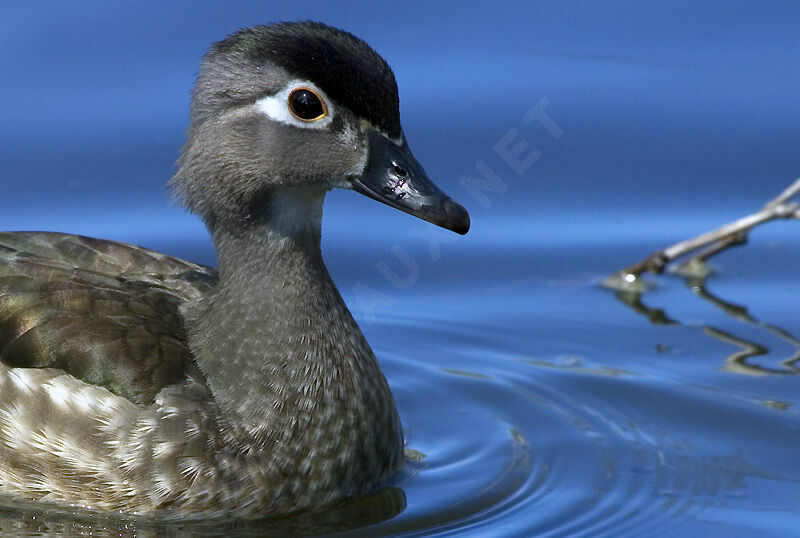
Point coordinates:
[[135, 381]]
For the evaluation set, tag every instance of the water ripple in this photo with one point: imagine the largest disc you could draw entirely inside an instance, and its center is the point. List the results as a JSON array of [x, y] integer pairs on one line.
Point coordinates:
[[567, 447]]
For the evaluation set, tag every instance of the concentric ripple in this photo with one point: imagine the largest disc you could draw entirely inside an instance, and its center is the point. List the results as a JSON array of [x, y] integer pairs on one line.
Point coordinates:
[[567, 447]]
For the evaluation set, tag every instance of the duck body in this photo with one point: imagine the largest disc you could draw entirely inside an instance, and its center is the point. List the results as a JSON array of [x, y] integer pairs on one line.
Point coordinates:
[[133, 381], [144, 431]]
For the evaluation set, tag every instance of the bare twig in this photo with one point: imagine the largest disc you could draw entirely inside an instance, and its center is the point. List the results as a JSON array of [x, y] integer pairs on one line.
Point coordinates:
[[696, 264], [734, 233]]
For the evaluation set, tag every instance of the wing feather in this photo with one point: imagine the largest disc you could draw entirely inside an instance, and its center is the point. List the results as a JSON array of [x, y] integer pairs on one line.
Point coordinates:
[[104, 312]]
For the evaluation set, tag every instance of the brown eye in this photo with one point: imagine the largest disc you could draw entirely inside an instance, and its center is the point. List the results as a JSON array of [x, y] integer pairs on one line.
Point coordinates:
[[306, 105]]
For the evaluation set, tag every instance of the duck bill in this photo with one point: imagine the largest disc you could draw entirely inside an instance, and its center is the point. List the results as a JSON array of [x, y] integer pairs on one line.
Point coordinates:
[[393, 176]]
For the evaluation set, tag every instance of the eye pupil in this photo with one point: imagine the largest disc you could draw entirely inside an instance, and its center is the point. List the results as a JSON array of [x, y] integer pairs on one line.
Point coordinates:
[[306, 105]]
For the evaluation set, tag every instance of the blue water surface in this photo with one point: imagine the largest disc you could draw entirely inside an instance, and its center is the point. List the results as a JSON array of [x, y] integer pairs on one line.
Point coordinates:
[[537, 402]]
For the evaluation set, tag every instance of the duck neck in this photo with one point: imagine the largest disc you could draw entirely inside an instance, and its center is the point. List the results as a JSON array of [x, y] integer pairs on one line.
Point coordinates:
[[278, 347]]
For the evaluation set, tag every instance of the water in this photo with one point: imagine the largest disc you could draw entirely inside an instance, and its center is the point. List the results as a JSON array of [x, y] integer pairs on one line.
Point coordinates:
[[534, 401], [561, 411]]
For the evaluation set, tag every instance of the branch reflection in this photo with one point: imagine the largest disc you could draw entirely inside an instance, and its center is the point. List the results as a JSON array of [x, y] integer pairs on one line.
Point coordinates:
[[739, 361]]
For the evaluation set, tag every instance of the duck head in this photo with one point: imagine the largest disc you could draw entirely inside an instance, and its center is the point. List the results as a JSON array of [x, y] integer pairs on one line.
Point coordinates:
[[281, 114]]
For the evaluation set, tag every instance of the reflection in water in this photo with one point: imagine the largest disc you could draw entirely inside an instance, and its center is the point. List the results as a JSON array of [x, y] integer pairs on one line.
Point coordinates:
[[737, 362], [634, 299], [575, 364], [464, 373], [19, 519]]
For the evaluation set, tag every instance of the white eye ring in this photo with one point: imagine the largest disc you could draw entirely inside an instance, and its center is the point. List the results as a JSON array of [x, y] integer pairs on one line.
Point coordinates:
[[278, 107]]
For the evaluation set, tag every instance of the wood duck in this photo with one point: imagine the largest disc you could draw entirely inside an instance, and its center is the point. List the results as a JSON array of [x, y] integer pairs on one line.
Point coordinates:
[[134, 381]]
